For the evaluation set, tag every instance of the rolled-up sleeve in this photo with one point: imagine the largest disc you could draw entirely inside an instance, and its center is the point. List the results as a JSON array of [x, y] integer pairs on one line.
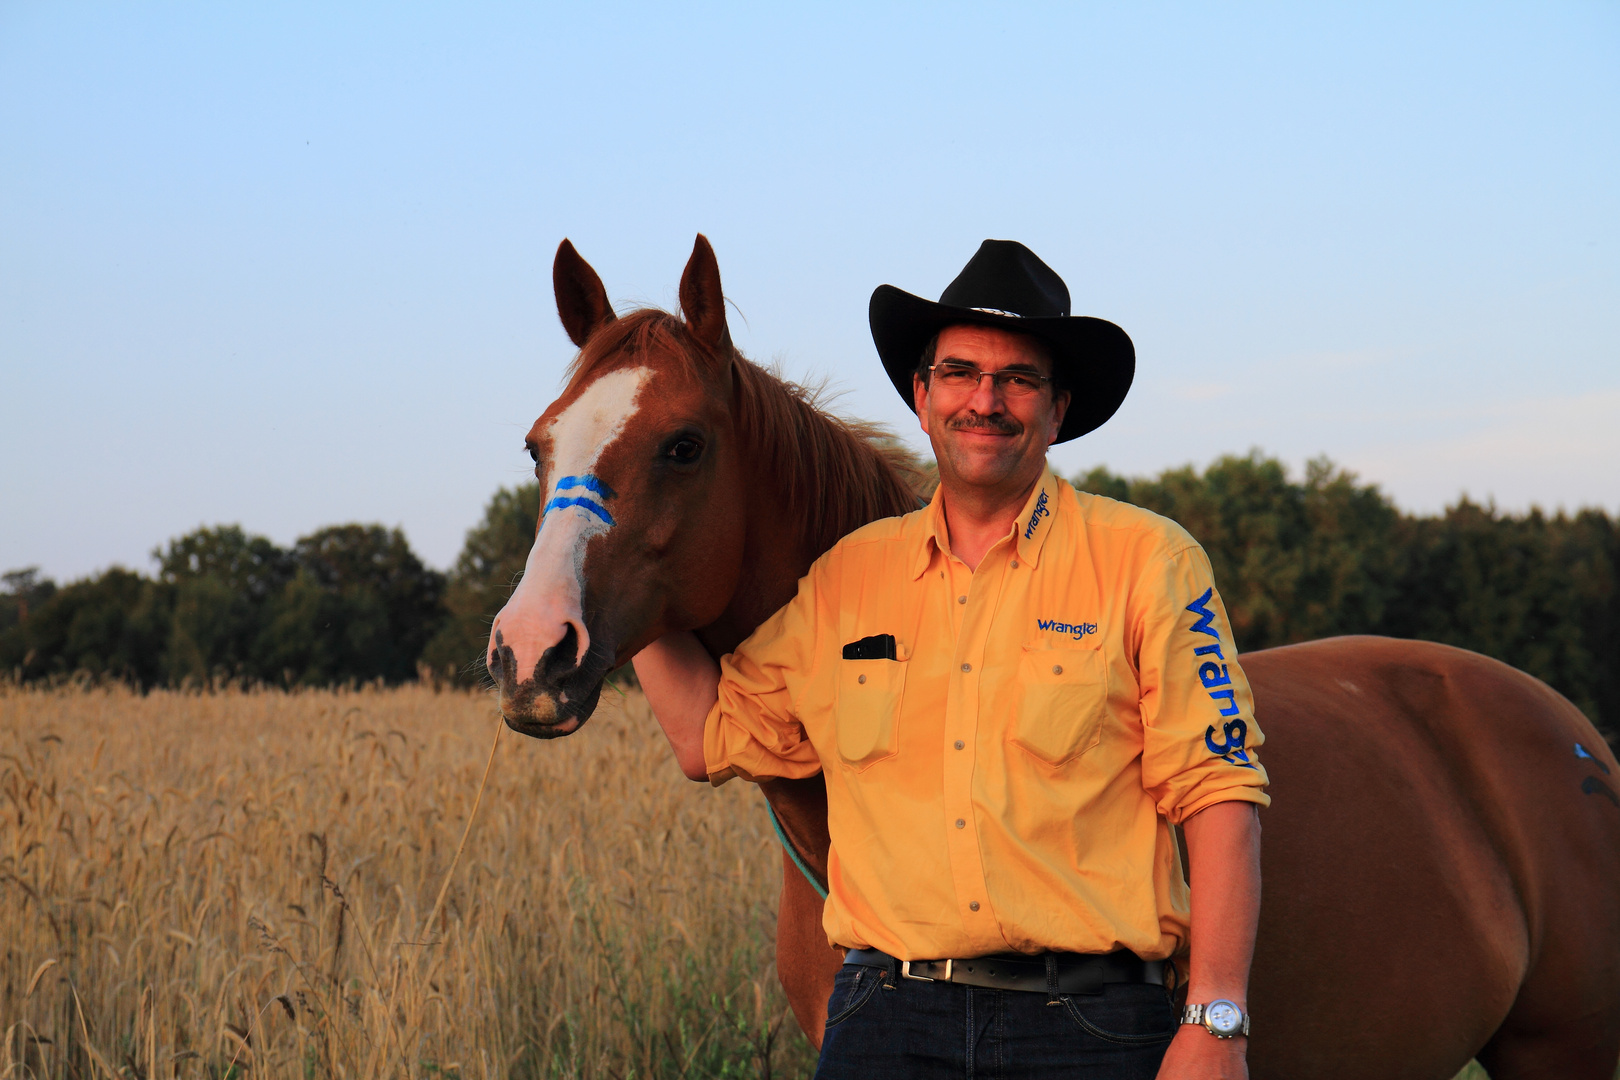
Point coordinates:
[[1199, 731], [753, 731]]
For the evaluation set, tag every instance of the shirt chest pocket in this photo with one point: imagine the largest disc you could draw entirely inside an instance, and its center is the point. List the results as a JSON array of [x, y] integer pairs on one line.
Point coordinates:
[[1065, 694], [868, 710]]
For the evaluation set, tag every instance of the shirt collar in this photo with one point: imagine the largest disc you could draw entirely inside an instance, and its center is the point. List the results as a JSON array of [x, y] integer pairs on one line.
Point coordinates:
[[935, 536], [1029, 531], [1034, 523]]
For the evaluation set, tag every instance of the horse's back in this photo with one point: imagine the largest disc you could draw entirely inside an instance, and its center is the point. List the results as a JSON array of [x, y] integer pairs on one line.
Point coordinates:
[[1440, 862]]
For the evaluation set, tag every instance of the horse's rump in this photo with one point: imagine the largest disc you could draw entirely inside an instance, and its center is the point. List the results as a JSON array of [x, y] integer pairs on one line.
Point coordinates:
[[1427, 858]]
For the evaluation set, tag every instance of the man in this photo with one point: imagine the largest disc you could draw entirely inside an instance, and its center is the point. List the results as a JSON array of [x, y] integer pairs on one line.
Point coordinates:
[[1013, 694]]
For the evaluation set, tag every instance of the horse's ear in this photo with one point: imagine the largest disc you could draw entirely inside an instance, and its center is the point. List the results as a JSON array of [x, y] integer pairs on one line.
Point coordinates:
[[702, 303], [581, 300]]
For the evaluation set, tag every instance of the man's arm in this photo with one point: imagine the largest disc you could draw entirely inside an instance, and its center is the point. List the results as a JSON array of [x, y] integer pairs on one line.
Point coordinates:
[[682, 683], [1223, 848]]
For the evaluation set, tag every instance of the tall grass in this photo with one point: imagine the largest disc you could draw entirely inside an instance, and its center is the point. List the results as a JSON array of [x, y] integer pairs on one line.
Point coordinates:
[[235, 884]]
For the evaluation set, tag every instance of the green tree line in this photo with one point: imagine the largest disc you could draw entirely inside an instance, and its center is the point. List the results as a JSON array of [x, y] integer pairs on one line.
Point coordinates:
[[1296, 559], [348, 602]]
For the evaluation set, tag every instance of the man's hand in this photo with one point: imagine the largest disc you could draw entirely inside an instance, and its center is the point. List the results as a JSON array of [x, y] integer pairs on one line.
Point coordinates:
[[1195, 1054]]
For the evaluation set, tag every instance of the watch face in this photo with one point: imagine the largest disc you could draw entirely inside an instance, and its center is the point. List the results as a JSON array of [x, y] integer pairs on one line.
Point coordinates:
[[1224, 1017]]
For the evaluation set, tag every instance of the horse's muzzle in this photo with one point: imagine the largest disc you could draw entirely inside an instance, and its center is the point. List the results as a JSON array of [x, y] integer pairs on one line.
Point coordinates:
[[553, 700], [536, 729]]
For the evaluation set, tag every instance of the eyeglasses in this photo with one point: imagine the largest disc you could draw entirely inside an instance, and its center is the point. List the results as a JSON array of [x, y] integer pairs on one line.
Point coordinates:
[[961, 377]]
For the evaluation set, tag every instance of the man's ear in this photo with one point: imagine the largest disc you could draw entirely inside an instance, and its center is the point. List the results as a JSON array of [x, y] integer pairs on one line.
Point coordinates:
[[1061, 400], [702, 303], [919, 398], [582, 302]]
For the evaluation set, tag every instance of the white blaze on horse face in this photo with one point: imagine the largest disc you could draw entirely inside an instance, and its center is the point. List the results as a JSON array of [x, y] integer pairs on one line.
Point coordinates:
[[575, 508]]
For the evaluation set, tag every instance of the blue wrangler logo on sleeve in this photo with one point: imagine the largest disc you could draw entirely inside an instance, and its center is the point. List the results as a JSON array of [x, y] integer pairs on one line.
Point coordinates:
[[1217, 682], [1233, 732], [1206, 616]]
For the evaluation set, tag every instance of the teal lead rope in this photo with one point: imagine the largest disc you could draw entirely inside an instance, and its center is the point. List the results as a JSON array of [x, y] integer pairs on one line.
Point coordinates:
[[793, 852]]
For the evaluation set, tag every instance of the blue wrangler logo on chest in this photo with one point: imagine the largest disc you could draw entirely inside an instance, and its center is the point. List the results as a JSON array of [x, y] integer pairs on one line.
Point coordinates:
[[1075, 630], [1217, 682]]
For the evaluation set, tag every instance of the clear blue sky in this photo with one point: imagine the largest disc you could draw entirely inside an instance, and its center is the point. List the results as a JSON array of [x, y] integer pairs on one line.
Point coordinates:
[[290, 266]]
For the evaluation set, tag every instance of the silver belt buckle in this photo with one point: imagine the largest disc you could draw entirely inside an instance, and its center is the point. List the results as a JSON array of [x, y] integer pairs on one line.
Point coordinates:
[[905, 971]]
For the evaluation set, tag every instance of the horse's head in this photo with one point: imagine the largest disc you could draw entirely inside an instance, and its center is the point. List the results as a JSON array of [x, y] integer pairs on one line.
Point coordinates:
[[640, 528]]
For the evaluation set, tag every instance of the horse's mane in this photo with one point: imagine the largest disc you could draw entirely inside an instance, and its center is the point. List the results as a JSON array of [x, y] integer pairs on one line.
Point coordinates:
[[835, 474]]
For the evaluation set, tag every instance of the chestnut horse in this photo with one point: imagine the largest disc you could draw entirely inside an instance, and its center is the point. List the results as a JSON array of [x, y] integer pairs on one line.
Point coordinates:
[[1442, 860]]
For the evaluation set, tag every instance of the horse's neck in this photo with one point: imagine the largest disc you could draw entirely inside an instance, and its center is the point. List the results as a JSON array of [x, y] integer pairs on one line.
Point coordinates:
[[851, 485], [773, 562]]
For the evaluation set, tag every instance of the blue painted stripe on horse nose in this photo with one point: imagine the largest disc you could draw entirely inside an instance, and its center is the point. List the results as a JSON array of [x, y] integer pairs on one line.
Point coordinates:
[[592, 505], [588, 482]]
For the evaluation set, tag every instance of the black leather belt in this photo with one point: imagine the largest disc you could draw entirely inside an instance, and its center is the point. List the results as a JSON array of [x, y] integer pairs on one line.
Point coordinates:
[[1075, 973]]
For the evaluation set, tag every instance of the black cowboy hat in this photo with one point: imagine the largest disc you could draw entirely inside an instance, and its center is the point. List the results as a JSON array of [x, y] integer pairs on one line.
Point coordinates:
[[1006, 286]]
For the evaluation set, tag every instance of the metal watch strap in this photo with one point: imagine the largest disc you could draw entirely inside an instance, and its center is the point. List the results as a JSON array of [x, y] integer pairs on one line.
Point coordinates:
[[1194, 1014]]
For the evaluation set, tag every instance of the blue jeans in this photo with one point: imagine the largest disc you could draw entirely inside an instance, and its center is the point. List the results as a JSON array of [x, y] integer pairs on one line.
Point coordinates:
[[931, 1029]]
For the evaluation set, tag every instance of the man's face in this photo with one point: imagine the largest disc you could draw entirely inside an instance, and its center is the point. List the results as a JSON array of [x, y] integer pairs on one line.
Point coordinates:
[[983, 436]]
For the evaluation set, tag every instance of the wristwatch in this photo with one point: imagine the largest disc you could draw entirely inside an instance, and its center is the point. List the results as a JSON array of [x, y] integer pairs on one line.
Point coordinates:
[[1221, 1018]]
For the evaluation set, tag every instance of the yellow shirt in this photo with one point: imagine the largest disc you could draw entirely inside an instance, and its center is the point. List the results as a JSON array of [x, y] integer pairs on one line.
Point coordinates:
[[1008, 781]]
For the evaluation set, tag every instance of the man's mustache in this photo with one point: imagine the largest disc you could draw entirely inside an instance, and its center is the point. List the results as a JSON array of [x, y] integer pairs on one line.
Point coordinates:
[[999, 423]]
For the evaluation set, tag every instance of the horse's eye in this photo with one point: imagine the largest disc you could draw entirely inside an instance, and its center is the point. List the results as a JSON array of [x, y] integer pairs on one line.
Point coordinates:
[[534, 453], [685, 451]]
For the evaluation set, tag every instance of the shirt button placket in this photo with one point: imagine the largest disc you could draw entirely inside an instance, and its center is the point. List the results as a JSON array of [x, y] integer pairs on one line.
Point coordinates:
[[959, 791], [959, 774]]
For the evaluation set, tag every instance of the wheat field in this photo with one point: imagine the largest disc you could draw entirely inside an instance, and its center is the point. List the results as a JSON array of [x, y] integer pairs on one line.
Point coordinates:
[[237, 884], [246, 884]]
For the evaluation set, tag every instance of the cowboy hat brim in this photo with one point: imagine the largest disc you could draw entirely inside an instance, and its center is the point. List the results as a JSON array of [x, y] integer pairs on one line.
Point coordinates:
[[1092, 359]]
